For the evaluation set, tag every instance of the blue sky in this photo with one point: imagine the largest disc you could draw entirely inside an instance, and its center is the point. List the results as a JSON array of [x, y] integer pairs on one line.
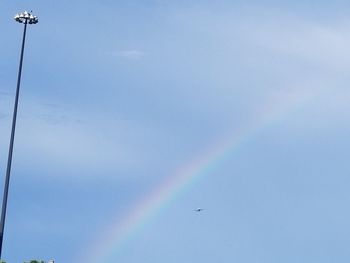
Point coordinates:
[[117, 96]]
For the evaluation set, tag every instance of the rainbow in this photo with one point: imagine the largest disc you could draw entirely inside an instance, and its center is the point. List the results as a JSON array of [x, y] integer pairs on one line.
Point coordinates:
[[121, 230]]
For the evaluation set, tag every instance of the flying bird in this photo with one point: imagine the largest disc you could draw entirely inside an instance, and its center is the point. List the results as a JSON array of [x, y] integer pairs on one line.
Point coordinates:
[[198, 209]]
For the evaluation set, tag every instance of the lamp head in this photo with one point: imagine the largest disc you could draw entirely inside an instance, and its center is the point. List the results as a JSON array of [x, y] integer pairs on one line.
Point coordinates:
[[26, 18]]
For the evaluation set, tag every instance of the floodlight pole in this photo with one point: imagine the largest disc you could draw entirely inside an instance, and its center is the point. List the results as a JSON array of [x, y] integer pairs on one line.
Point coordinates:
[[25, 18]]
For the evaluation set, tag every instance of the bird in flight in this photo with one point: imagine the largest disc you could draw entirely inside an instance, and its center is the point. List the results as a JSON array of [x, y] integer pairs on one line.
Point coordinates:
[[198, 209]]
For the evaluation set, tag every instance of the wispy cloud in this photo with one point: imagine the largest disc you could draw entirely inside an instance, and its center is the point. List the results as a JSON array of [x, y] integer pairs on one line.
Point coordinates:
[[326, 45], [71, 140], [130, 53]]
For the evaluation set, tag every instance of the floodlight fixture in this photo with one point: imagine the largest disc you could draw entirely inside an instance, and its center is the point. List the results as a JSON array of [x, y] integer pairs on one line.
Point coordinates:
[[26, 18]]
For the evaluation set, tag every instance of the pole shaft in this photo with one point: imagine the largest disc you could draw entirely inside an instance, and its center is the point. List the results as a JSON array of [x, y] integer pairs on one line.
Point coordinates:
[[13, 130]]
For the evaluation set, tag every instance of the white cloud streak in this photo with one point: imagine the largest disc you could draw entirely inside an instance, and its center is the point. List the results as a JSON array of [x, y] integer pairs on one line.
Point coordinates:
[[130, 54]]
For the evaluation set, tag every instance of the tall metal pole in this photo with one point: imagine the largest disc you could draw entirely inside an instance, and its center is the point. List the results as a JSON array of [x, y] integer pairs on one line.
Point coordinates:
[[13, 130], [25, 18]]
